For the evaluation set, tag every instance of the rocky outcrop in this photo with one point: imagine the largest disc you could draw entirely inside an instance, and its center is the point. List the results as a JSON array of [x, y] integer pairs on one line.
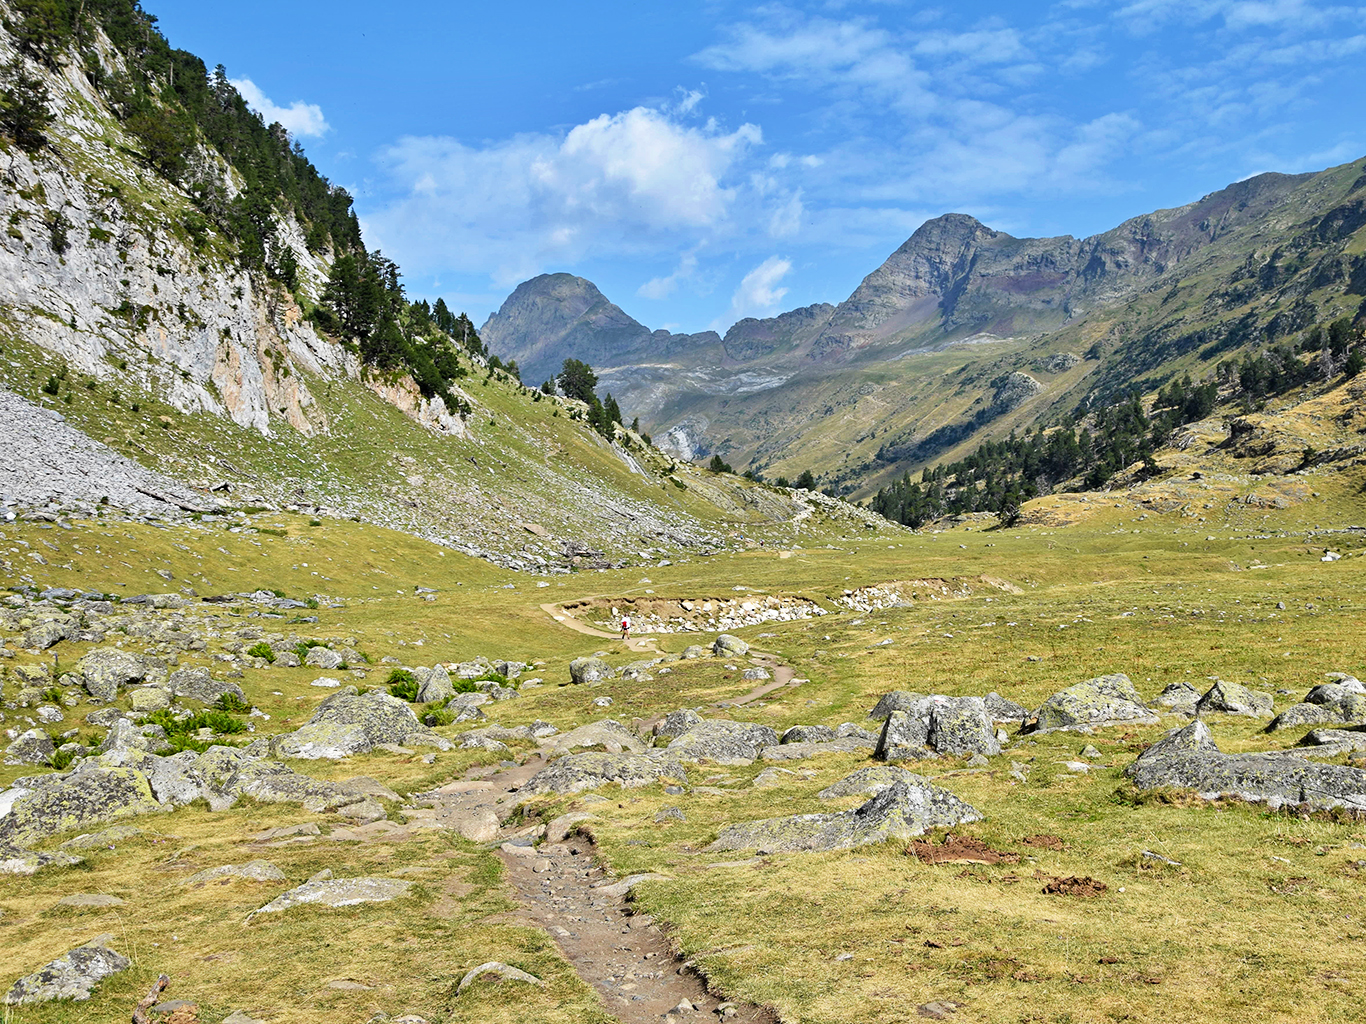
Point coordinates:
[[1235, 699], [871, 781], [936, 725], [347, 723], [901, 811], [71, 976], [1189, 759], [722, 742]]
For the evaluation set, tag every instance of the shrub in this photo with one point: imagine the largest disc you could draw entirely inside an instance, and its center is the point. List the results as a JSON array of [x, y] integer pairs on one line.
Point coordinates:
[[62, 759], [435, 715], [53, 694], [403, 685], [261, 650], [303, 647], [231, 702]]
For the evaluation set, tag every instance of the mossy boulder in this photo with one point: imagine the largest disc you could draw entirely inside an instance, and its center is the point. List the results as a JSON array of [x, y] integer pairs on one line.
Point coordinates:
[[1105, 700], [901, 811], [47, 805], [105, 669], [1236, 699], [589, 670], [726, 645]]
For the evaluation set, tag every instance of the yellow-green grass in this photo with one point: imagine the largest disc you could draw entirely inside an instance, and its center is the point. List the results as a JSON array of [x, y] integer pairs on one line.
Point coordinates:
[[411, 952]]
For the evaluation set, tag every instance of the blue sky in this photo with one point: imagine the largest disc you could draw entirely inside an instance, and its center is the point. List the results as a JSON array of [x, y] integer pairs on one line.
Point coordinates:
[[702, 162]]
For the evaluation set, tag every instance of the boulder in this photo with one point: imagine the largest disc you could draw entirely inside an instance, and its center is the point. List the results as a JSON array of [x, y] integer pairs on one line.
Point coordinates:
[[32, 747], [1297, 716], [434, 685], [125, 735], [1189, 759], [230, 772], [897, 700], [105, 669], [71, 976], [577, 772], [903, 810], [1105, 700], [722, 741], [589, 670], [198, 684], [349, 723], [252, 871], [938, 725], [676, 723], [46, 634], [808, 734], [852, 730], [694, 651], [147, 699], [337, 892], [801, 751], [42, 806], [871, 781], [1180, 696], [999, 709], [609, 734], [727, 645], [1333, 693], [1235, 699], [324, 658]]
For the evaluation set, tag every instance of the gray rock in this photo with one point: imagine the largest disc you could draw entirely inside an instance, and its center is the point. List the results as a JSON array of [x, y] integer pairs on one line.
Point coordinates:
[[871, 781], [903, 810], [347, 723], [503, 971], [230, 773], [1181, 695], [45, 805], [670, 814], [1235, 699], [897, 700], [609, 734], [808, 734], [770, 777], [32, 747], [125, 735], [722, 741], [240, 1017], [851, 730], [905, 736], [26, 862], [324, 658], [999, 709], [754, 675], [146, 699], [694, 651], [435, 685], [676, 723], [1297, 716], [1342, 740], [1105, 700], [338, 892], [802, 751], [1188, 759], [938, 725], [105, 839], [725, 644], [198, 684], [589, 670], [575, 773], [105, 669], [71, 976]]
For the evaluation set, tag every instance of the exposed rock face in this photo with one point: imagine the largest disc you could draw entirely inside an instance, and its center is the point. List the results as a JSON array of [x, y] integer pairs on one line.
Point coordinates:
[[1189, 759], [105, 669], [676, 723], [32, 747], [589, 670], [897, 700], [338, 892], [611, 735], [903, 810], [578, 772], [198, 684], [808, 734], [346, 724], [1015, 389], [1105, 700], [871, 781], [71, 976]]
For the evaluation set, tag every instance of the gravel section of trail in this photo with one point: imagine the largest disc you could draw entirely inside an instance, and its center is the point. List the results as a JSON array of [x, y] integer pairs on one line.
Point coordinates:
[[44, 461], [566, 892]]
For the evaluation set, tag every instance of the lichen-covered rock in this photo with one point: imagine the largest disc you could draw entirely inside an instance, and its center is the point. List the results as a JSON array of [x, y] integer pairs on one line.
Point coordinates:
[[323, 658], [1189, 759], [1334, 692], [802, 751], [198, 684], [903, 810], [577, 772], [938, 725], [125, 735], [897, 700], [808, 734], [852, 730], [1000, 709], [1181, 696], [722, 741], [146, 699], [105, 669], [589, 670], [609, 734], [1105, 700], [694, 651], [1235, 699], [725, 644], [871, 781], [71, 976], [905, 736], [32, 747], [338, 892], [1297, 716], [252, 871], [229, 773], [676, 723], [41, 806], [434, 684], [348, 723]]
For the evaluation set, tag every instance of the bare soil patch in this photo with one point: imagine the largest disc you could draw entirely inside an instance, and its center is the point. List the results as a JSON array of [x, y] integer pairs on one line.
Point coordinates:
[[959, 850]]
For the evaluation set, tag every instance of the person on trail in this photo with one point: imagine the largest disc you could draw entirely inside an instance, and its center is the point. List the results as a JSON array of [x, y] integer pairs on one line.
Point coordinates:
[[625, 627]]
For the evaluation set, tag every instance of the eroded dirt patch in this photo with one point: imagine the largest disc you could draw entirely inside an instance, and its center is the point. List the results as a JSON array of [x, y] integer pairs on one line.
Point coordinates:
[[959, 850], [1073, 885]]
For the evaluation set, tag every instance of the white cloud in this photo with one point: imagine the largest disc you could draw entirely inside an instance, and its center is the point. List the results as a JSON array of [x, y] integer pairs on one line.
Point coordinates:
[[638, 181], [758, 294], [663, 287], [299, 118]]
